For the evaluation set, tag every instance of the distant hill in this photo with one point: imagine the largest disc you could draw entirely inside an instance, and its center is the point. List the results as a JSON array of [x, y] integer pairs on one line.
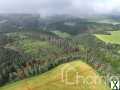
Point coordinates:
[[72, 25]]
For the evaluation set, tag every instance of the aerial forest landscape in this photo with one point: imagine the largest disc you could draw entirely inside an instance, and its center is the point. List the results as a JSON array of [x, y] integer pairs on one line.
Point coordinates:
[[55, 49]]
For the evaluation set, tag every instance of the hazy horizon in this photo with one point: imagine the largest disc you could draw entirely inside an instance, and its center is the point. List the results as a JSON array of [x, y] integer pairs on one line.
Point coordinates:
[[61, 7]]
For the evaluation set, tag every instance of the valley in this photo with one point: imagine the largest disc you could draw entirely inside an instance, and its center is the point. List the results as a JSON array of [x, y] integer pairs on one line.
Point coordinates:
[[34, 50]]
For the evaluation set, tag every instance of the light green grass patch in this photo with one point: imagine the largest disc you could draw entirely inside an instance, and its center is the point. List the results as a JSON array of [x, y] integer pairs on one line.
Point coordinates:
[[61, 34], [114, 38]]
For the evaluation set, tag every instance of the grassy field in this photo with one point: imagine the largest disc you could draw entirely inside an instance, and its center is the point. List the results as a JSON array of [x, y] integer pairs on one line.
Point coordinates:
[[37, 48], [61, 34], [114, 38], [34, 47], [57, 79]]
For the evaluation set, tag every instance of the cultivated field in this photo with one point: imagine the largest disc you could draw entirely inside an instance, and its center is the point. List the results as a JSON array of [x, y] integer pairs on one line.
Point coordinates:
[[113, 38]]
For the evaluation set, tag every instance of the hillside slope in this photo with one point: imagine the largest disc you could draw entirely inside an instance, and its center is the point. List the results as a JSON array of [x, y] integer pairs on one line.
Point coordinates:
[[57, 79]]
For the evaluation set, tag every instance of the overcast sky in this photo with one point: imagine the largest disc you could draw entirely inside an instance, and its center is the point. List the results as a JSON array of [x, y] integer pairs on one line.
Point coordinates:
[[50, 7]]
